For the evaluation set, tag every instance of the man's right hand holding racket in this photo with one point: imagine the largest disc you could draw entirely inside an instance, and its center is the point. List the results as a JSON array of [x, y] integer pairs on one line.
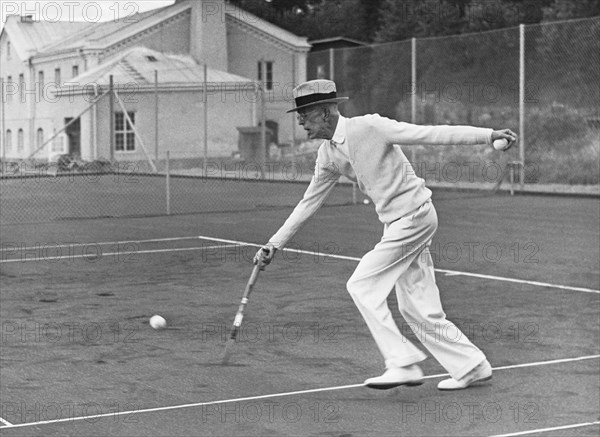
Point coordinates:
[[264, 256]]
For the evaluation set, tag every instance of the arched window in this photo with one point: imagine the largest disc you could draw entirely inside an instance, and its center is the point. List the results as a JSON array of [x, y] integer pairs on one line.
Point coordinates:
[[9, 97], [40, 138], [8, 140], [20, 140]]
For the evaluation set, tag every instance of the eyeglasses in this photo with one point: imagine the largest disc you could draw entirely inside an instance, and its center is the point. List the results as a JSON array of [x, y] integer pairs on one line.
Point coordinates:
[[302, 116]]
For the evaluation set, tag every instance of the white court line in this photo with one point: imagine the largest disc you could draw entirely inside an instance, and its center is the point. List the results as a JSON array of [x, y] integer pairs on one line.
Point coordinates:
[[500, 278], [447, 272], [179, 407], [267, 396], [91, 243], [243, 243], [554, 428], [545, 363], [5, 422], [94, 256]]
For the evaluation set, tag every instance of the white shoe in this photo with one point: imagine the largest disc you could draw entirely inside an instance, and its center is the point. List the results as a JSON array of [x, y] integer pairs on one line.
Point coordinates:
[[481, 372], [396, 376]]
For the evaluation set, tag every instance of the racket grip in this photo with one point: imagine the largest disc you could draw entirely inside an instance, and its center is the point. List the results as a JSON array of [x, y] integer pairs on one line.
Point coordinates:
[[234, 333], [265, 251], [237, 322]]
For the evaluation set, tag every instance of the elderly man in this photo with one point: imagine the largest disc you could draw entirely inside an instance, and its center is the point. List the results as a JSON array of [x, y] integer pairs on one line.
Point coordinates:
[[366, 149]]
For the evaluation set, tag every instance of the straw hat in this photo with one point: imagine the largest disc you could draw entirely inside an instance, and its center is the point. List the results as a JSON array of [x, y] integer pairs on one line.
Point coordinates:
[[315, 92]]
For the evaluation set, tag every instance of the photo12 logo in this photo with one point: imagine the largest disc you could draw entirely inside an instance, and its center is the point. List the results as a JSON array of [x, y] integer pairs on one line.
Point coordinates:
[[268, 411], [71, 11]]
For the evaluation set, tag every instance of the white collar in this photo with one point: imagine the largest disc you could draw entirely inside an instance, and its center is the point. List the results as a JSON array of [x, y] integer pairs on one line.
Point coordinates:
[[339, 136]]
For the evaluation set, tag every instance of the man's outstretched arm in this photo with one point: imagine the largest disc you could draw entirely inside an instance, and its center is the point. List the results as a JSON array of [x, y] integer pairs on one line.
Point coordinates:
[[412, 134], [325, 177]]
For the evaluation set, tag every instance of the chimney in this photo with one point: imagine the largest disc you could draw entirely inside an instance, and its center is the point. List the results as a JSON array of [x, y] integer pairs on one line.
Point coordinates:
[[26, 18], [209, 34]]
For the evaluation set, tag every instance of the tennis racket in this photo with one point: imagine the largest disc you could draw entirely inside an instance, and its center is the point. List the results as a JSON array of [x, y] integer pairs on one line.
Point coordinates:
[[237, 322]]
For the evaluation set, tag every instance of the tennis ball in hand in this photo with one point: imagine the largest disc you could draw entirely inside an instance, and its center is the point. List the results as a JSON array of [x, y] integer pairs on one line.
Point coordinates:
[[500, 144], [158, 322]]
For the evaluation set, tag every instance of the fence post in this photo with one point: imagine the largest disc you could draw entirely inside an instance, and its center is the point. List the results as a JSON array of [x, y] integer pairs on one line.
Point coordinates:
[[156, 114], [2, 122], [413, 74], [263, 120], [111, 118], [522, 104], [511, 177], [331, 65], [168, 184], [205, 119]]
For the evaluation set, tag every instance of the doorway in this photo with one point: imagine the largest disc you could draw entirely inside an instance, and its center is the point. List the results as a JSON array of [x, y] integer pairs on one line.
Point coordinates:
[[74, 134]]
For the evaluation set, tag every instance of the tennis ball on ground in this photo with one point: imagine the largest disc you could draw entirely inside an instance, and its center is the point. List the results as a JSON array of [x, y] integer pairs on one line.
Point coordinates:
[[366, 201], [158, 322], [500, 144]]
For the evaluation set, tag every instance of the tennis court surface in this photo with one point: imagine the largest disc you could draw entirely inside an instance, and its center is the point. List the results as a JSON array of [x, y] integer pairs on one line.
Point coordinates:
[[520, 276]]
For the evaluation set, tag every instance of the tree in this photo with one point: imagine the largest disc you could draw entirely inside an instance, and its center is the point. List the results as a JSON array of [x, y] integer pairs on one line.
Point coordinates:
[[413, 18], [565, 10], [318, 19]]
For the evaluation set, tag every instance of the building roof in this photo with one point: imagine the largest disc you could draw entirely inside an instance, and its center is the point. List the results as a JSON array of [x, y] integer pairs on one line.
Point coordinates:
[[44, 38], [134, 69], [29, 38], [105, 34], [335, 42], [246, 20]]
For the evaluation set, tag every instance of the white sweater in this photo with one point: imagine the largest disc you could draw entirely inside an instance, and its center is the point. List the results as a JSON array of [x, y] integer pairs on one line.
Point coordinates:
[[378, 165]]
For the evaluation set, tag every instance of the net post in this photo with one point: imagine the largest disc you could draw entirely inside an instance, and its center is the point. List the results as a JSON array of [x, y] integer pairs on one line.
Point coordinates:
[[354, 194], [168, 184]]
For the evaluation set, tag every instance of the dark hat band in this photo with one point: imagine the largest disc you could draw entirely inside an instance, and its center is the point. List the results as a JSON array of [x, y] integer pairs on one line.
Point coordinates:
[[313, 98]]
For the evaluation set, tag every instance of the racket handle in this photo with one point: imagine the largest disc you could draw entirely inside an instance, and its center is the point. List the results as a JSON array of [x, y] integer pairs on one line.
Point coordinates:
[[234, 333], [237, 322]]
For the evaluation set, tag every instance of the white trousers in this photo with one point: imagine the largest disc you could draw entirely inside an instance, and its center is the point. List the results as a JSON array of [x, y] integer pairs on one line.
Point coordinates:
[[402, 260]]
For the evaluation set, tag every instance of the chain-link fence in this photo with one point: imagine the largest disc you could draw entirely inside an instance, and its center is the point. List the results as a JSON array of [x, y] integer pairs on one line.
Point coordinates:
[[562, 119], [478, 79], [34, 193], [471, 79]]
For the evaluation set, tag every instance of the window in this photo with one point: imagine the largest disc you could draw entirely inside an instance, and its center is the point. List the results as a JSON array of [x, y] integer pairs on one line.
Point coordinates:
[[8, 89], [39, 138], [124, 135], [58, 143], [269, 74], [75, 70], [41, 83], [8, 54], [8, 140], [20, 140], [22, 87], [151, 58], [57, 76]]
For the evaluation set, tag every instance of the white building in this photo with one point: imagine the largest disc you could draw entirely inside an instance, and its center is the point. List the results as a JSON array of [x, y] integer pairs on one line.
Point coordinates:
[[54, 71]]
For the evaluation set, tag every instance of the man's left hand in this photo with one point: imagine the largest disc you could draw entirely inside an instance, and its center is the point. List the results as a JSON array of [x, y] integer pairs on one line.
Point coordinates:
[[505, 134]]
